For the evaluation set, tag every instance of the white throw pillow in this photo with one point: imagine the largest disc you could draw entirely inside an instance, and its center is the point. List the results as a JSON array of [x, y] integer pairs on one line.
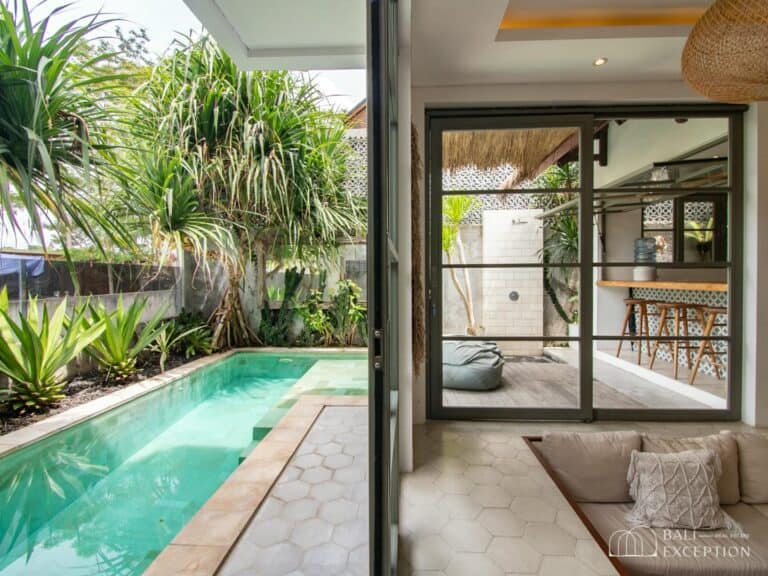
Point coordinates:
[[676, 490]]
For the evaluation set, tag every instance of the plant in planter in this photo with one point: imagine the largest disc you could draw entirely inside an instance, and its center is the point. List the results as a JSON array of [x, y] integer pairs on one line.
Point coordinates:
[[347, 316], [118, 347], [702, 235], [35, 350]]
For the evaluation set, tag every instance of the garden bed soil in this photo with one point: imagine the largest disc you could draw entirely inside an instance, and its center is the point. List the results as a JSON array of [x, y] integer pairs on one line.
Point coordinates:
[[81, 390]]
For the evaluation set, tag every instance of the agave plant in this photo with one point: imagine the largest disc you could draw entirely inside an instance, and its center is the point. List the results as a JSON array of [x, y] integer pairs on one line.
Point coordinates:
[[123, 338], [35, 350]]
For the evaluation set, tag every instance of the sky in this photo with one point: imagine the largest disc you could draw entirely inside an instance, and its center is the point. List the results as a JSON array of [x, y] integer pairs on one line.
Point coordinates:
[[163, 19]]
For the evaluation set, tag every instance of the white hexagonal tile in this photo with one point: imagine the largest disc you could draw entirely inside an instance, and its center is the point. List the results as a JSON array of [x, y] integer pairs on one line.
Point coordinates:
[[491, 496], [589, 554], [430, 553], [571, 523], [421, 520], [502, 522], [337, 461], [338, 511], [316, 475], [294, 490], [328, 557], [468, 564], [301, 509], [550, 539], [307, 461], [350, 475], [311, 532], [327, 491], [484, 475], [460, 506], [520, 486], [466, 536], [511, 466], [533, 509], [351, 534], [514, 555], [264, 533], [329, 449], [454, 483]]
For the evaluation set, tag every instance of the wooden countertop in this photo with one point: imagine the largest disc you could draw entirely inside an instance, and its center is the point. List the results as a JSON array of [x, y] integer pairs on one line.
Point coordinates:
[[667, 285]]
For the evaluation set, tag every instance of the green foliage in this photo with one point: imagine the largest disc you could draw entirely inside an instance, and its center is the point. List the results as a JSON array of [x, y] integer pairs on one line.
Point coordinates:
[[455, 210], [124, 337], [35, 350], [53, 111], [317, 324], [275, 326], [187, 335], [267, 157], [347, 317], [701, 234]]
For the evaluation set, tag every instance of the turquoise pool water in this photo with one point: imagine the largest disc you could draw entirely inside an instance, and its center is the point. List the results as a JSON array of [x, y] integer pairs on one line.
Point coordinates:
[[106, 496]]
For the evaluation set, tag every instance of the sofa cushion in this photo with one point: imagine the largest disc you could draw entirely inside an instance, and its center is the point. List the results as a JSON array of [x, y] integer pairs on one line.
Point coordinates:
[[663, 552], [676, 490], [592, 465], [723, 443], [753, 467]]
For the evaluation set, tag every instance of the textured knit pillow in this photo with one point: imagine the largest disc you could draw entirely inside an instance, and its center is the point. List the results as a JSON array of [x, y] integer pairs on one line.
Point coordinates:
[[676, 490]]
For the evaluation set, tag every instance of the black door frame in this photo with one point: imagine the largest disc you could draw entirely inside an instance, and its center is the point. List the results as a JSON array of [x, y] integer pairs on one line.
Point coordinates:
[[484, 118]]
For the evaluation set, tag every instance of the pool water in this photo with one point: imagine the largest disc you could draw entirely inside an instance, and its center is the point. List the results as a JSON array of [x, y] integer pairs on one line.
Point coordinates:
[[106, 496]]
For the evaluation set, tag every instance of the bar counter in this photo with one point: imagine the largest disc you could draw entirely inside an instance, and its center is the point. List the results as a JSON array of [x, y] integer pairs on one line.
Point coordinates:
[[666, 285]]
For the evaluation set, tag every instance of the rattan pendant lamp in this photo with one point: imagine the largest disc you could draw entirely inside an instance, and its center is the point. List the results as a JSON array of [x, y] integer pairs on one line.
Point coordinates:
[[726, 56]]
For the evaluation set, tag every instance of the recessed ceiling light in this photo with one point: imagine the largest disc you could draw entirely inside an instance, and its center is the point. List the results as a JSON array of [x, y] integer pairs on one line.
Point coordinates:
[[600, 61]]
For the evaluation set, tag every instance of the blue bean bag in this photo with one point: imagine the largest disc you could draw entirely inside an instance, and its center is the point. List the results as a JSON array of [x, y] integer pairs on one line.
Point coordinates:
[[472, 365]]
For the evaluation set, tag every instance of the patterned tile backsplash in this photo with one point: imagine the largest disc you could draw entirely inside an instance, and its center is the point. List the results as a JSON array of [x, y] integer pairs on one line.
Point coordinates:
[[704, 298]]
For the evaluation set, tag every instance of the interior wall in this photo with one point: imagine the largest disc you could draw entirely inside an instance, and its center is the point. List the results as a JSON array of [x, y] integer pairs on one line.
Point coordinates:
[[755, 288], [510, 95]]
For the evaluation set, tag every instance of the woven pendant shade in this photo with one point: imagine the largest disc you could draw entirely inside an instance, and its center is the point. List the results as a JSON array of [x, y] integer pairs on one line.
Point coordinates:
[[726, 56]]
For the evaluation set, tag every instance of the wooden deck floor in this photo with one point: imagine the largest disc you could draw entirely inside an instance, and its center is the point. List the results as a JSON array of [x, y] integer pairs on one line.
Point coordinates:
[[550, 384]]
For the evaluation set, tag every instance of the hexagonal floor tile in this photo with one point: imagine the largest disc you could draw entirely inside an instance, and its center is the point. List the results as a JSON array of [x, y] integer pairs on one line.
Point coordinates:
[[466, 536], [514, 555], [311, 533], [502, 522], [550, 539]]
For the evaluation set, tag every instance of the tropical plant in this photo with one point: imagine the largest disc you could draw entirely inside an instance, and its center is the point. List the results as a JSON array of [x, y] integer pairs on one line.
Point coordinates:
[[455, 210], [267, 158], [561, 238], [124, 337], [53, 109], [35, 350], [275, 326], [317, 326], [171, 337], [347, 317], [702, 234]]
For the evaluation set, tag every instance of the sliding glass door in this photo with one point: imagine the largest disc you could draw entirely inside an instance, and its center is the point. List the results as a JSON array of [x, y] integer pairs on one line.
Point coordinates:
[[582, 263]]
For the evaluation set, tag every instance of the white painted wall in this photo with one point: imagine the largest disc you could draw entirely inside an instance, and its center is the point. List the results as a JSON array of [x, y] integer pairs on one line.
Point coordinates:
[[755, 289]]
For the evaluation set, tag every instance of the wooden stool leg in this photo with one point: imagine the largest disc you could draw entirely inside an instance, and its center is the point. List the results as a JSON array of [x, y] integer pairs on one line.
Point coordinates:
[[647, 332], [640, 325], [686, 333], [676, 344], [659, 333], [702, 347], [627, 315]]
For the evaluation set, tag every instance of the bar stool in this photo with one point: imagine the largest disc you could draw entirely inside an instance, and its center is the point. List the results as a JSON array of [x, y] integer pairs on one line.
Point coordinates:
[[640, 330], [678, 313], [709, 320]]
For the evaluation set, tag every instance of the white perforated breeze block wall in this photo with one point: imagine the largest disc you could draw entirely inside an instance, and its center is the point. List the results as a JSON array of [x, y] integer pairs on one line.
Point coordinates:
[[513, 237]]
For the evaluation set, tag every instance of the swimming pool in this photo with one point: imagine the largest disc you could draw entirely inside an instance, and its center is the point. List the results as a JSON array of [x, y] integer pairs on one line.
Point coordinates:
[[107, 495]]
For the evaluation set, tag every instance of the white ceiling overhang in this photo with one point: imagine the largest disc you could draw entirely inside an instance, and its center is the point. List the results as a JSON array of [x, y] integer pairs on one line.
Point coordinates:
[[287, 34]]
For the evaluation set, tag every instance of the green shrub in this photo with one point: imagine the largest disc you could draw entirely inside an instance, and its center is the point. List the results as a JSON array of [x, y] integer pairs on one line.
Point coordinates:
[[347, 316], [34, 352], [118, 347], [317, 326], [186, 335]]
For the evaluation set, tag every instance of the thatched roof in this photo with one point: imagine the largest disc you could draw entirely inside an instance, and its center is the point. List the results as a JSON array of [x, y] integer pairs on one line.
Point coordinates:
[[529, 151]]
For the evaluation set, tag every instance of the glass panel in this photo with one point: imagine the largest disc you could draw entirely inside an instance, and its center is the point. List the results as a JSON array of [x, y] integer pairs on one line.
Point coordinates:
[[535, 374], [621, 381], [498, 302], [510, 159], [699, 231], [665, 153], [510, 228], [659, 215], [697, 288]]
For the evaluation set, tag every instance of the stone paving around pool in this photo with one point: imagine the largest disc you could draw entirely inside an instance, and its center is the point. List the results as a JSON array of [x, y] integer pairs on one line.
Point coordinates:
[[315, 519]]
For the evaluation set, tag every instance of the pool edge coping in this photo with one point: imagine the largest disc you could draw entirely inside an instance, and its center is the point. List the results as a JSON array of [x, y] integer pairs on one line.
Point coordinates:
[[23, 437], [202, 546]]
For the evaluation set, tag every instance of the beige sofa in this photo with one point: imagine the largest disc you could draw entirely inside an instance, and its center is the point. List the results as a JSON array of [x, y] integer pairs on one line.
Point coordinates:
[[591, 471]]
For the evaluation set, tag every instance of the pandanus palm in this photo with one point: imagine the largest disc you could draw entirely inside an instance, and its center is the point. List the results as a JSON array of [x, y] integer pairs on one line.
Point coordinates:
[[52, 109], [264, 155]]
